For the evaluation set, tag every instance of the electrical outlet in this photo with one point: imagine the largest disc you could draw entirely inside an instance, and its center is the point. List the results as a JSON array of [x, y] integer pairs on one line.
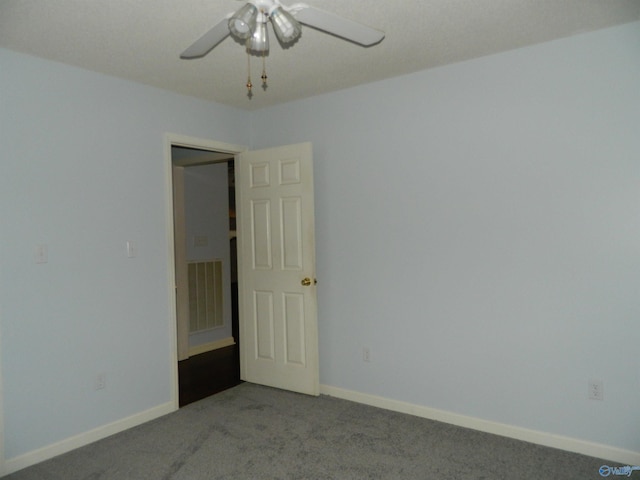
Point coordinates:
[[366, 354], [40, 254], [101, 381], [596, 390]]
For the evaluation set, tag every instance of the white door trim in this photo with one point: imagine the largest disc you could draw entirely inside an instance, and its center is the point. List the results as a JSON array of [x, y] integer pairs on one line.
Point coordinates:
[[180, 262], [177, 140]]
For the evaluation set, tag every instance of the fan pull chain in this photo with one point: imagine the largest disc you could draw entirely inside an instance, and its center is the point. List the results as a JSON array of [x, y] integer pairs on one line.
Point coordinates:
[[264, 72], [249, 84]]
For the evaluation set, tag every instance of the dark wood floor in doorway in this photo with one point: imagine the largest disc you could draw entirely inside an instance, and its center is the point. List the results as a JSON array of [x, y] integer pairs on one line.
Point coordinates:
[[203, 375]]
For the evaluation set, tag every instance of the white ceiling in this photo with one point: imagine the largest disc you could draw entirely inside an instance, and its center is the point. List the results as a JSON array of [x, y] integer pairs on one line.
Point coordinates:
[[141, 40]]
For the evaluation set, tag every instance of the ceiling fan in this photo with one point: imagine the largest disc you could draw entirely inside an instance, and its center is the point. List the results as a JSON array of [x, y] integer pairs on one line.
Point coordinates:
[[248, 25]]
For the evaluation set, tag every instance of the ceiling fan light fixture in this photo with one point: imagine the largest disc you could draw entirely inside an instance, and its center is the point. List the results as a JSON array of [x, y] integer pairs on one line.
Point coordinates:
[[285, 26], [243, 23], [248, 25], [258, 43]]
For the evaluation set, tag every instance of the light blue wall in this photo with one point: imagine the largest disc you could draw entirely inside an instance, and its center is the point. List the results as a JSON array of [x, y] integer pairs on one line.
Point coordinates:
[[478, 227], [83, 171]]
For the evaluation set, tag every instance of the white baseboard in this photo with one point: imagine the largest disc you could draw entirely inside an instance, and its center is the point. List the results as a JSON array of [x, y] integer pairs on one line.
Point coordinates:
[[198, 349], [569, 444], [77, 441]]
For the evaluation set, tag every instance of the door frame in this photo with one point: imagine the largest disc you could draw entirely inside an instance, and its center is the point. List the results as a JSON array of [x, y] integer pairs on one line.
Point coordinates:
[[177, 140]]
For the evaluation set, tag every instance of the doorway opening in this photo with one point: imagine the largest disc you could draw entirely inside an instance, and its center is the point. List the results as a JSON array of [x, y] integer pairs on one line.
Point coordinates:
[[204, 237]]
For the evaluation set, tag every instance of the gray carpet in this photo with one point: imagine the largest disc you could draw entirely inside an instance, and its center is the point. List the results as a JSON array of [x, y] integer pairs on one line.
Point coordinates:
[[258, 433]]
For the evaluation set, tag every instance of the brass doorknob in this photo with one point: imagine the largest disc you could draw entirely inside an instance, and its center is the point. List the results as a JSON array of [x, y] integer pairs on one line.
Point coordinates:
[[306, 282]]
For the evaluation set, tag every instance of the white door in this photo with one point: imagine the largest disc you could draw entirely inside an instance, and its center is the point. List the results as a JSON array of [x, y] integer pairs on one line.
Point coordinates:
[[278, 317]]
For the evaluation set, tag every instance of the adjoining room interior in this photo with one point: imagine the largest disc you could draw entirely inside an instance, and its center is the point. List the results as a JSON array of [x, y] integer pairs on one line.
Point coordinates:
[[206, 214]]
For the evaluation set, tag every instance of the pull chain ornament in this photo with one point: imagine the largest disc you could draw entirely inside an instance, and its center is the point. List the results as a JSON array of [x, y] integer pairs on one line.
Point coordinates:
[[264, 73], [249, 84]]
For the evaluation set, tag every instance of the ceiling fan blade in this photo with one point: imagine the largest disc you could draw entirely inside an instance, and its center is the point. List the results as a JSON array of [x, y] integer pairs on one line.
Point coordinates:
[[206, 42], [339, 26]]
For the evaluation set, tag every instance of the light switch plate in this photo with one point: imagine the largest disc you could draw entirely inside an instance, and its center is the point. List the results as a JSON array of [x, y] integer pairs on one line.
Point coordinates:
[[200, 241], [132, 249]]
